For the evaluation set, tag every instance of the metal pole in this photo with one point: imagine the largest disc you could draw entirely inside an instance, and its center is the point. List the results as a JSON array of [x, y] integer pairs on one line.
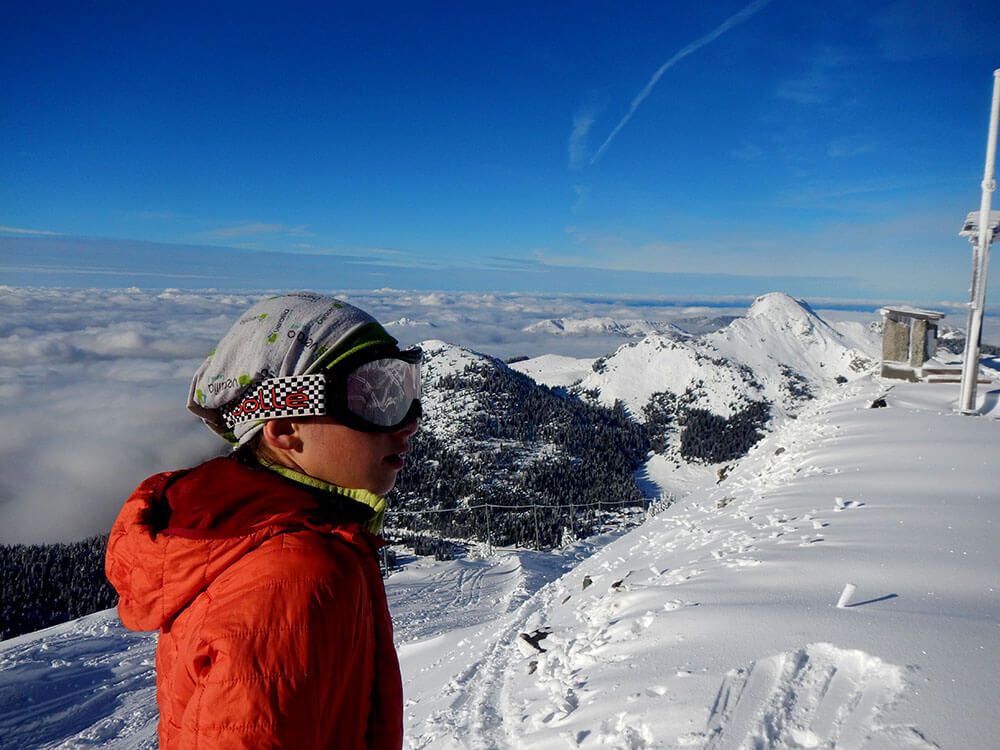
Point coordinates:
[[981, 260]]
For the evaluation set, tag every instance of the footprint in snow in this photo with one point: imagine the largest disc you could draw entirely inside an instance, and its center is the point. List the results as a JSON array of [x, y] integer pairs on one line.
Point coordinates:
[[842, 504]]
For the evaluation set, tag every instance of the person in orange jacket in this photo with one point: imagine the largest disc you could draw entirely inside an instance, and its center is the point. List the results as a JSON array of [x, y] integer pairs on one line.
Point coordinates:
[[259, 569]]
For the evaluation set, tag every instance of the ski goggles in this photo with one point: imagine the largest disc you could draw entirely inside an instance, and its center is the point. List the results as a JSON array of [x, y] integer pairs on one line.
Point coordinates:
[[373, 395]]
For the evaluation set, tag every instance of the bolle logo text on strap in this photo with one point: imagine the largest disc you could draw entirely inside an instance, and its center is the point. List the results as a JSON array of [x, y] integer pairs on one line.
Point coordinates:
[[294, 396]]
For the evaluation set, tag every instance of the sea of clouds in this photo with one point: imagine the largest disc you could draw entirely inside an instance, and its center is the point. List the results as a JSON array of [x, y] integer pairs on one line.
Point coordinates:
[[93, 382]]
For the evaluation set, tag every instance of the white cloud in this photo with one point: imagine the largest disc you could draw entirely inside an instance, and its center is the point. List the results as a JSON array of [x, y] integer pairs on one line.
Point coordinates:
[[28, 232], [254, 229]]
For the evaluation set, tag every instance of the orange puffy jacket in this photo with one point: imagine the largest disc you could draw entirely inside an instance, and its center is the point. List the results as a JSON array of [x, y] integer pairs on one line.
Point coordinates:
[[274, 628]]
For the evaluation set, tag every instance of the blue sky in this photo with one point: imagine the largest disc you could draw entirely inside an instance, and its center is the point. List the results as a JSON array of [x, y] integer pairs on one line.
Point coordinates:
[[719, 148]]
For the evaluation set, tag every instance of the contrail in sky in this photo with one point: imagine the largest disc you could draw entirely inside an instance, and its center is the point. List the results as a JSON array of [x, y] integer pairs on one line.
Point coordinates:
[[711, 36]]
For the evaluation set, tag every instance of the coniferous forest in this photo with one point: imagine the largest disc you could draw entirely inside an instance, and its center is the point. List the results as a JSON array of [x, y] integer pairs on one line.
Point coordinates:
[[45, 584], [546, 463]]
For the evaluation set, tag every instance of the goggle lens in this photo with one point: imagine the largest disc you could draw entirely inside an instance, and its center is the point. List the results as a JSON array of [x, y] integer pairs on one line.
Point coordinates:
[[382, 392]]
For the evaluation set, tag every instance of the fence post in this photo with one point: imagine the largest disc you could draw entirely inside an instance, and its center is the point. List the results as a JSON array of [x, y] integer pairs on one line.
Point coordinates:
[[489, 536], [538, 541]]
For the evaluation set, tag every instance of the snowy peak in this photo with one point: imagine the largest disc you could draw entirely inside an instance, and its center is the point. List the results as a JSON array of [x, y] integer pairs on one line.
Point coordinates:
[[778, 305], [782, 314], [721, 388], [442, 359], [782, 335]]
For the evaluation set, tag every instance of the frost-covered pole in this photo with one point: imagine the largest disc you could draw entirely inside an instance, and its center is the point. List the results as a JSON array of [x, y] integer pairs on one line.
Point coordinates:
[[980, 263]]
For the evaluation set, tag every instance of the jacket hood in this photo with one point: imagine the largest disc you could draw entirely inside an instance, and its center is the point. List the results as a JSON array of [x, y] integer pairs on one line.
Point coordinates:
[[180, 530]]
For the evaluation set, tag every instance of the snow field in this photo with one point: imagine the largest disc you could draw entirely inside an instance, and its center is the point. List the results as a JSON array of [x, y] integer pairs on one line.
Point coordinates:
[[83, 684]]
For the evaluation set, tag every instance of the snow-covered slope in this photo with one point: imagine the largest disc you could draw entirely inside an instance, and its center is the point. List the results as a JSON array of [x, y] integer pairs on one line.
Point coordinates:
[[91, 683], [604, 326], [714, 625], [658, 364], [555, 370]]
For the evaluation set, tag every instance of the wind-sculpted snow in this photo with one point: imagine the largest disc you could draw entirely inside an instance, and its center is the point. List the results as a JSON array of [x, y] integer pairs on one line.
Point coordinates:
[[816, 696], [87, 683]]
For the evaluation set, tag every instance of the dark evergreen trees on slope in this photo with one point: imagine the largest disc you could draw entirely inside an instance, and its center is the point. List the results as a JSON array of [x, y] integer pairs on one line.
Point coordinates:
[[710, 438], [660, 415], [46, 584], [517, 444]]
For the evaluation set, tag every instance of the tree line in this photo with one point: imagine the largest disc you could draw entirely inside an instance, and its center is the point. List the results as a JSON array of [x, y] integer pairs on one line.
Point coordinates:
[[46, 584]]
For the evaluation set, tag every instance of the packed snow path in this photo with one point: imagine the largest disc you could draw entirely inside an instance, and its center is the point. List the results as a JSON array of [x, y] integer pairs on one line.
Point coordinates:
[[712, 626]]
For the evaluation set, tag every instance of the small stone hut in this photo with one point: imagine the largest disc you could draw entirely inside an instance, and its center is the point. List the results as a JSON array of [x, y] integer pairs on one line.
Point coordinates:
[[909, 339]]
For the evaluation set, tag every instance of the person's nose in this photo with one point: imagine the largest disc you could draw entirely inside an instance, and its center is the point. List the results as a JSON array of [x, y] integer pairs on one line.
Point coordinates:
[[409, 429]]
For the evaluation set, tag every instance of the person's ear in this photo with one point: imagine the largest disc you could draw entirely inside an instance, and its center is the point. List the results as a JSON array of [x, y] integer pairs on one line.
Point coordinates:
[[282, 434]]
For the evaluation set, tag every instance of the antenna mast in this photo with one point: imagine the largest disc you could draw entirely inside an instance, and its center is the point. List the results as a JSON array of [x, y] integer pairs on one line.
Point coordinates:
[[980, 263]]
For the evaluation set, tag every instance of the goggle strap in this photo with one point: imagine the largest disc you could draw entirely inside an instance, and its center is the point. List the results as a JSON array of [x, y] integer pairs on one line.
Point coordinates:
[[275, 398]]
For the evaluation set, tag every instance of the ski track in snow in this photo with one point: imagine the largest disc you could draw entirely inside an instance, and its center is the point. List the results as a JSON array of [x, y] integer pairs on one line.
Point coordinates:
[[818, 696]]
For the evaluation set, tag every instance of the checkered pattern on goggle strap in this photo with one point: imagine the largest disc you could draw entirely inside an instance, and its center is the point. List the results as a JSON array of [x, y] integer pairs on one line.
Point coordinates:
[[274, 398]]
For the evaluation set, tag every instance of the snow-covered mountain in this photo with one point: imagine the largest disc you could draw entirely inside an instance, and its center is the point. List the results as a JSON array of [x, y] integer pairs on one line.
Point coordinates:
[[782, 338], [604, 326], [493, 435], [729, 382], [778, 350], [661, 364]]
